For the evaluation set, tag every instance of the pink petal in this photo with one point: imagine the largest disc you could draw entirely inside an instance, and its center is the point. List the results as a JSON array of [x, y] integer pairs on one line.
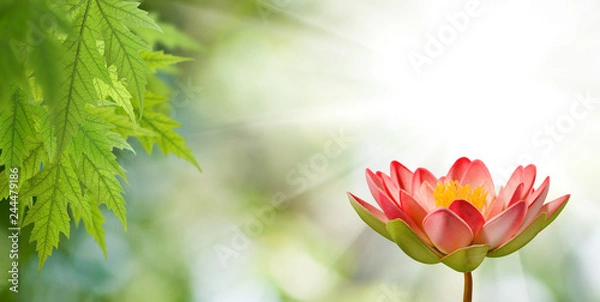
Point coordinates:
[[391, 210], [412, 208], [494, 208], [447, 231], [371, 209], [401, 176], [548, 210], [554, 205], [517, 195], [422, 175], [529, 173], [390, 188], [477, 174], [540, 192], [501, 228], [458, 169], [469, 213], [536, 200], [425, 197], [374, 179], [505, 193]]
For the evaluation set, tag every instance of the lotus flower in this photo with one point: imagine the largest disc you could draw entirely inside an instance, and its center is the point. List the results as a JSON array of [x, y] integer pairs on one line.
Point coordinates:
[[457, 219]]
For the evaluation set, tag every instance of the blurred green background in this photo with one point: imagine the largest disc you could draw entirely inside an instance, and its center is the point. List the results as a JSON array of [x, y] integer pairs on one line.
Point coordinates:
[[284, 106]]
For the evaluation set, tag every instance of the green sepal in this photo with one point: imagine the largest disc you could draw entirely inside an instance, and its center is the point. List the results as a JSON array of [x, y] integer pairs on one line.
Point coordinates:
[[410, 243], [369, 219], [466, 259]]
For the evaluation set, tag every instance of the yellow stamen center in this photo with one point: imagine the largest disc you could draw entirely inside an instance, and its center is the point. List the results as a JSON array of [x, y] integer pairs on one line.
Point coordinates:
[[449, 191]]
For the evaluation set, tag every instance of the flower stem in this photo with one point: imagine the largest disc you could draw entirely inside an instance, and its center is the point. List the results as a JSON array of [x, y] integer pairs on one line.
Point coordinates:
[[468, 290]]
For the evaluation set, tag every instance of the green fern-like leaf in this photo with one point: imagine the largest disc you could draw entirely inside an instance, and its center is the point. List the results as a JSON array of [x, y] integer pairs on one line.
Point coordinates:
[[97, 164], [47, 131], [35, 159], [120, 122], [55, 187], [167, 140], [116, 91], [121, 45], [17, 126], [68, 101], [158, 59], [83, 63], [4, 190]]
